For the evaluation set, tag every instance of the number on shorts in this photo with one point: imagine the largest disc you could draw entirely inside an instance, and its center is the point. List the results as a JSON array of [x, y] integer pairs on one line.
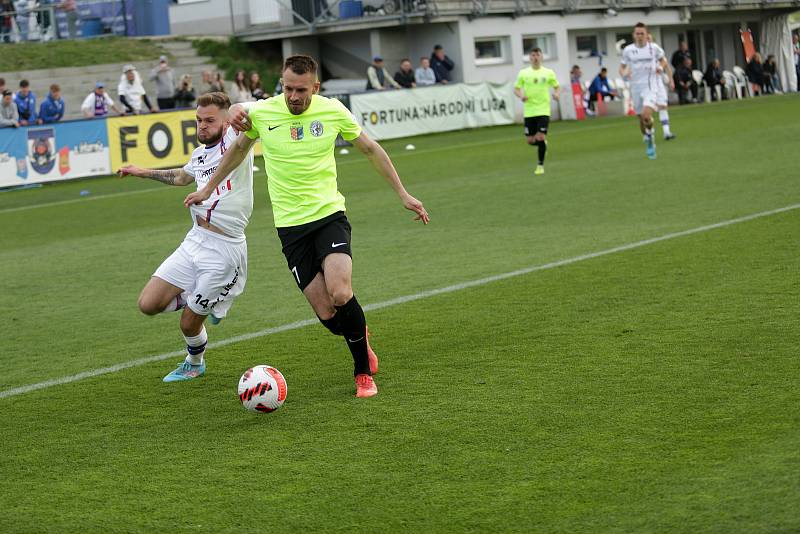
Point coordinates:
[[294, 270], [201, 301]]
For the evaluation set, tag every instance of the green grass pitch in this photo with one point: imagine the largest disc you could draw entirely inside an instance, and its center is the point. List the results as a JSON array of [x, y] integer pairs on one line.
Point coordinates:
[[652, 389]]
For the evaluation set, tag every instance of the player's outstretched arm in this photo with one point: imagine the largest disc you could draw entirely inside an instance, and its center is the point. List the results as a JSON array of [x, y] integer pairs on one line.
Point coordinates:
[[380, 160], [167, 176], [233, 157]]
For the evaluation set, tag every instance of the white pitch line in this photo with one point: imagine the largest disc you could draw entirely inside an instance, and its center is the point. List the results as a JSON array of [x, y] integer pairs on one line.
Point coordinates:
[[393, 302], [85, 199]]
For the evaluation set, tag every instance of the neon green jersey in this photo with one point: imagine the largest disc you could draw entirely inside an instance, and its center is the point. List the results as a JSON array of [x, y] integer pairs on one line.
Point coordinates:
[[299, 156], [536, 84]]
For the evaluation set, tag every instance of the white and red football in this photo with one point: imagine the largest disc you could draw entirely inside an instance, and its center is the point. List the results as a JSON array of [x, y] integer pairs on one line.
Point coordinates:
[[262, 389]]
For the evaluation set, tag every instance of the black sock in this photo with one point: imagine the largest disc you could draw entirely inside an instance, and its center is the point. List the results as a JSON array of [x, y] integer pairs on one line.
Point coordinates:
[[542, 149], [333, 324], [354, 329]]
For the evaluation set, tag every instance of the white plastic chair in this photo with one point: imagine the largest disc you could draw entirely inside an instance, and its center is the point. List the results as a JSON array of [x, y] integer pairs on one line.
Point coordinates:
[[732, 82], [741, 78], [701, 82]]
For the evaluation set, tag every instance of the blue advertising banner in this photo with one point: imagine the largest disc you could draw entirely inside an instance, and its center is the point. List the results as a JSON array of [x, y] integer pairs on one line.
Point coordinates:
[[51, 152]]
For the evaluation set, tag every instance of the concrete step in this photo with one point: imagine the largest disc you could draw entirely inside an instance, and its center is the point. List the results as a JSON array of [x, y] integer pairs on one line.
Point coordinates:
[[176, 45]]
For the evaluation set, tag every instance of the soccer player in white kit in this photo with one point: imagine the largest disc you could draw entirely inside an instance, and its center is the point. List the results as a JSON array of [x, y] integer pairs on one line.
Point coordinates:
[[661, 100], [643, 62], [209, 269]]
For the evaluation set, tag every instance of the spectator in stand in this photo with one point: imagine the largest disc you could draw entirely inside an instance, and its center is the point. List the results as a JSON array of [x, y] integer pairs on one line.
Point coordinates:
[[771, 72], [219, 83], [680, 55], [96, 104], [184, 94], [405, 76], [684, 82], [713, 77], [378, 78], [2, 85], [9, 117], [212, 83], [256, 89], [755, 73], [52, 108], [131, 91], [441, 65], [164, 77], [600, 89], [796, 55], [424, 73], [70, 9], [5, 21], [26, 104], [240, 88]]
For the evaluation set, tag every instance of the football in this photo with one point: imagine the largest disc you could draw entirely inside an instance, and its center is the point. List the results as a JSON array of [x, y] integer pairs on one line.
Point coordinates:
[[262, 389]]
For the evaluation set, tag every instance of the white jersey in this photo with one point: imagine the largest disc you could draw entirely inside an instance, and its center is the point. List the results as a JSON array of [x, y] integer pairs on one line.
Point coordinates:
[[644, 62], [230, 205]]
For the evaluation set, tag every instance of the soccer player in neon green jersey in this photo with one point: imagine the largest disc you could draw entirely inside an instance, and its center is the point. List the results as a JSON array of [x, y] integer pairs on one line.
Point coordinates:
[[533, 88], [298, 133]]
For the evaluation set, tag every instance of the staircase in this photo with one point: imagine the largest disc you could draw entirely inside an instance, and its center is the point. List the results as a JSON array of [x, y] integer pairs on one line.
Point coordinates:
[[77, 82]]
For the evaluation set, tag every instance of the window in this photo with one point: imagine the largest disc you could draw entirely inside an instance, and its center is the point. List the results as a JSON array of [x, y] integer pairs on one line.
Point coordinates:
[[490, 50], [586, 44], [545, 42]]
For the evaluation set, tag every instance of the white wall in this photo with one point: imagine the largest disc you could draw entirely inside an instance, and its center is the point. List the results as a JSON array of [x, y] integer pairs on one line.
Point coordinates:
[[207, 17]]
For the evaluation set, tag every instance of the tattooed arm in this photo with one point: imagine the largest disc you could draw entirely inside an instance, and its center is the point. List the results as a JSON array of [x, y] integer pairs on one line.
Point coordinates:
[[169, 176]]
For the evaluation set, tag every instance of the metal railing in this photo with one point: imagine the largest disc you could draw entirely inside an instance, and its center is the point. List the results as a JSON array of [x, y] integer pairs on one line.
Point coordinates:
[[33, 20]]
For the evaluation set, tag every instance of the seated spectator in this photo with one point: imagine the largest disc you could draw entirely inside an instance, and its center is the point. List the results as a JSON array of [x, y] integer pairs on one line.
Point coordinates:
[[131, 91], [405, 76], [26, 104], [52, 108], [684, 83], [600, 89], [755, 73], [442, 65], [164, 77], [9, 117], [240, 88], [680, 55], [96, 104], [378, 78], [256, 89], [184, 94], [424, 73], [713, 77], [771, 74]]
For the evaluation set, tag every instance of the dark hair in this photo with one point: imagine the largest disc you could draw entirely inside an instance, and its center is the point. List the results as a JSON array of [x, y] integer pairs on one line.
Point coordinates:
[[24, 83], [604, 69], [7, 93], [218, 99], [640, 25], [55, 87], [300, 64], [536, 49], [244, 83], [438, 47], [404, 60], [2, 81]]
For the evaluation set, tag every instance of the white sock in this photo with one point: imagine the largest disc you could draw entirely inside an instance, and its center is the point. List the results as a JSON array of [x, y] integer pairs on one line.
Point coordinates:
[[663, 114], [176, 304], [196, 347]]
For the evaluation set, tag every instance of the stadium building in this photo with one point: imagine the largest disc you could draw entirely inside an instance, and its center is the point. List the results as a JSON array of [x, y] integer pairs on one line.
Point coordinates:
[[488, 39]]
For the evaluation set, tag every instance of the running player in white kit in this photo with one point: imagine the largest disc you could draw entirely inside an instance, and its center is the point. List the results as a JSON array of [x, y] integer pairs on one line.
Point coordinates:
[[661, 100], [643, 61], [209, 269]]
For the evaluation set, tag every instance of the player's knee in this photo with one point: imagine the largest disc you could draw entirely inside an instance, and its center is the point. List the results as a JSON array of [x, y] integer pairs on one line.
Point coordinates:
[[341, 295], [149, 306], [191, 324], [532, 141]]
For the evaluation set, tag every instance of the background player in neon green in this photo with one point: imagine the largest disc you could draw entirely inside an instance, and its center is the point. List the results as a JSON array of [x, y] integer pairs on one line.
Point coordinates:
[[298, 133], [533, 88]]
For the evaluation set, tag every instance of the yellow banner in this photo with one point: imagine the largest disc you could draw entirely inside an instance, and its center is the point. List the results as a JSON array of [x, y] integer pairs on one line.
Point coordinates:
[[158, 140]]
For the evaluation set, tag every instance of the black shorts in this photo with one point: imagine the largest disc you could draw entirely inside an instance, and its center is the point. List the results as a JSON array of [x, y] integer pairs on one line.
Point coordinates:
[[306, 245], [534, 125]]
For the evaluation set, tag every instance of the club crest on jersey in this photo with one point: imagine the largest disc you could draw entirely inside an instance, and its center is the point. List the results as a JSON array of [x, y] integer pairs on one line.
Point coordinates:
[[316, 128], [42, 150], [296, 131]]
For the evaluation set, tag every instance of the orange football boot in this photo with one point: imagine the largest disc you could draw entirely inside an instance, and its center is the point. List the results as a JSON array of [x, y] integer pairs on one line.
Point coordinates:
[[365, 386]]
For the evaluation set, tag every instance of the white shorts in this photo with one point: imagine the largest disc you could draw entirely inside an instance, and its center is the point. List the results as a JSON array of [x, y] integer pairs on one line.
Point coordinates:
[[643, 97], [661, 96], [210, 268]]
